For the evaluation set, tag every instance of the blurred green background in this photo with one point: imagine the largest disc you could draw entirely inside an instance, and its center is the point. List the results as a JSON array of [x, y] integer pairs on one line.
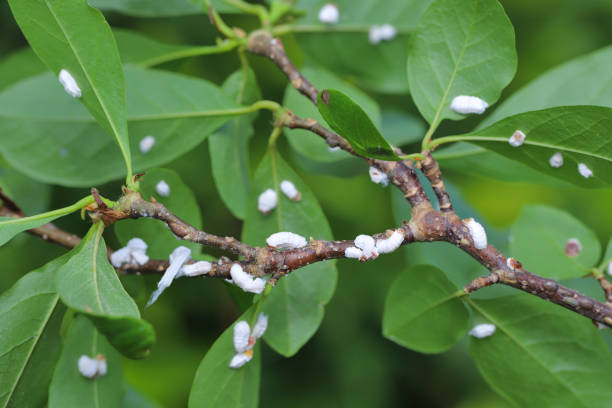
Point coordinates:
[[348, 363]]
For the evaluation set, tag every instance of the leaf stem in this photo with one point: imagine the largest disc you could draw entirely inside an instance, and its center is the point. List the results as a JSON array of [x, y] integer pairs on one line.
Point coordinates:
[[223, 46], [262, 104], [83, 202], [276, 132], [259, 303], [256, 9], [413, 156]]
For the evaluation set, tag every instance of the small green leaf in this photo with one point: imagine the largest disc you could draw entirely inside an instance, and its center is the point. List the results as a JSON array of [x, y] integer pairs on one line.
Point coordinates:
[[11, 226], [178, 111], [350, 121], [578, 133], [460, 47], [70, 35], [423, 311], [89, 284], [229, 146], [69, 388], [296, 304], [181, 201], [542, 355], [538, 241], [308, 144], [30, 343], [217, 385], [344, 47], [161, 8]]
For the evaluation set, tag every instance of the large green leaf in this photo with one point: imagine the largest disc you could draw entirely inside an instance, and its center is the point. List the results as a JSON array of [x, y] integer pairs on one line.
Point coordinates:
[[542, 355], [68, 34], [460, 47], [217, 385], [30, 340], [579, 133], [160, 8], [89, 284], [69, 388], [423, 311], [42, 132], [296, 305], [135, 48], [229, 147], [181, 201], [583, 81], [19, 65], [305, 142], [350, 121], [33, 197], [344, 48], [538, 241]]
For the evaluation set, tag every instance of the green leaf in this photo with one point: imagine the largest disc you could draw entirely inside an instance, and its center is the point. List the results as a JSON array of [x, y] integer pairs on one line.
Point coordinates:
[[181, 201], [350, 121], [423, 311], [542, 355], [68, 34], [538, 241], [133, 398], [33, 197], [460, 47], [579, 133], [135, 48], [89, 284], [401, 128], [217, 385], [296, 304], [69, 388], [180, 112], [582, 81], [11, 226], [229, 146], [344, 48], [303, 141], [19, 65], [160, 8], [30, 343]]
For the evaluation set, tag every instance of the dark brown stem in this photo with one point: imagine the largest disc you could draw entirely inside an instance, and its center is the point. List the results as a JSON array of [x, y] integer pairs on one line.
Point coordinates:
[[606, 286], [431, 170]]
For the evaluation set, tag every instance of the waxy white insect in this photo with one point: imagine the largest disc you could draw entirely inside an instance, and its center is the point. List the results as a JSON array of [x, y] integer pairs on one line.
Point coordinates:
[[178, 258], [267, 201], [329, 14], [610, 268], [286, 240], [584, 170], [133, 252], [573, 247], [478, 233], [465, 104], [288, 189], [162, 188], [556, 160], [385, 246], [245, 281], [352, 252], [146, 144], [483, 330], [92, 367], [69, 83], [513, 264], [196, 269], [367, 245], [385, 32], [517, 138], [244, 340], [378, 176], [333, 149]]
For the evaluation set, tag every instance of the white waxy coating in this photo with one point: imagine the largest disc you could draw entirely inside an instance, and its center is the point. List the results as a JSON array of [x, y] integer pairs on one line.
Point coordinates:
[[133, 252], [517, 138], [288, 189], [240, 359], [69, 83], [162, 188], [178, 257], [385, 32], [267, 201], [245, 281], [385, 246], [329, 14], [352, 252], [482, 330], [102, 367], [378, 176], [242, 331], [333, 149], [610, 268], [367, 245], [146, 144], [584, 170], [196, 269], [465, 104], [478, 233], [261, 325], [92, 367], [286, 240], [556, 160]]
